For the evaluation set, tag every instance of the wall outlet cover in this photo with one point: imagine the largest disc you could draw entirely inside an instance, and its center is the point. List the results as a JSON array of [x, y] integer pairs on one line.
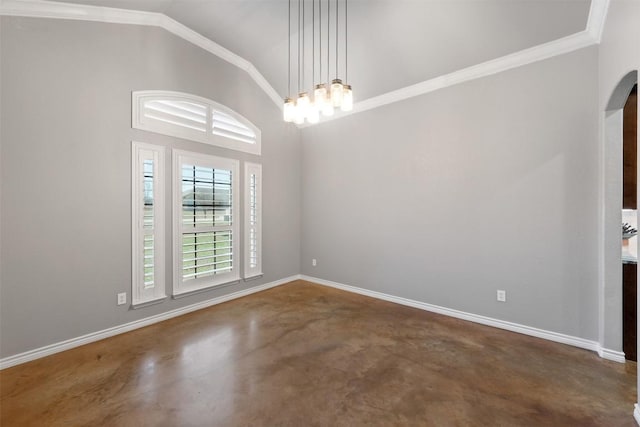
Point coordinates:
[[122, 298], [501, 295]]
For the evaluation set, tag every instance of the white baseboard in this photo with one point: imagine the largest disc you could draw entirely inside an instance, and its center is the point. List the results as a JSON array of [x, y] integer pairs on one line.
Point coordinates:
[[616, 356], [38, 353], [636, 413], [484, 320]]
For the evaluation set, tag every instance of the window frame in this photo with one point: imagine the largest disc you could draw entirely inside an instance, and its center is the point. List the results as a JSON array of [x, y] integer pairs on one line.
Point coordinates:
[[252, 169], [141, 296], [181, 287], [138, 121]]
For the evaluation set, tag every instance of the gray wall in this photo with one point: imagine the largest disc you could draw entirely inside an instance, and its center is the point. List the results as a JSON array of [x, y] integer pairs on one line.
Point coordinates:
[[446, 197], [65, 170]]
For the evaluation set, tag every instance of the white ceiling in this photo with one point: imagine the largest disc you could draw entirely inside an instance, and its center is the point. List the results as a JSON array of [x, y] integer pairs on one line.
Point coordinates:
[[392, 43]]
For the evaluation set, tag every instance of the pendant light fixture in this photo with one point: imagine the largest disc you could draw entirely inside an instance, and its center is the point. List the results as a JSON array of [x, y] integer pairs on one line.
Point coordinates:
[[328, 95]]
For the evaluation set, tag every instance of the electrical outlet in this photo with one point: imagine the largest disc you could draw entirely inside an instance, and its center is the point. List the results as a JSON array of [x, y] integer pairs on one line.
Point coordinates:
[[314, 262], [502, 295], [122, 298]]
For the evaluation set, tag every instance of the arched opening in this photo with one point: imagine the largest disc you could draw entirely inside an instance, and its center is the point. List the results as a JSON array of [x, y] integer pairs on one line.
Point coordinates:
[[611, 297], [630, 226]]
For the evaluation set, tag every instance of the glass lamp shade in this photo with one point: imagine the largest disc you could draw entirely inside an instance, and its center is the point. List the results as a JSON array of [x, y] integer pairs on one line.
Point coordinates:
[[347, 98], [289, 110], [327, 108], [320, 96], [336, 92]]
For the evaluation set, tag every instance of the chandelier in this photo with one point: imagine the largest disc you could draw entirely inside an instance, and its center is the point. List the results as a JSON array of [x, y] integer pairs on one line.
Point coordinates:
[[329, 94]]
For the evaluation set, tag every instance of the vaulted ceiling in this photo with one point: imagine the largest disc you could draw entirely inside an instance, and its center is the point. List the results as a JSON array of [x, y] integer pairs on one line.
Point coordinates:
[[392, 43]]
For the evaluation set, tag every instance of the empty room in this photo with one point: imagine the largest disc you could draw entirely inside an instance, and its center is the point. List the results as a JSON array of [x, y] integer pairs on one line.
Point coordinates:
[[319, 212]]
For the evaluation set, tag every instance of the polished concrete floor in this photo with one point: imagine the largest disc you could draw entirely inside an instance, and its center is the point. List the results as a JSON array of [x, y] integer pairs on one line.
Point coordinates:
[[307, 355]]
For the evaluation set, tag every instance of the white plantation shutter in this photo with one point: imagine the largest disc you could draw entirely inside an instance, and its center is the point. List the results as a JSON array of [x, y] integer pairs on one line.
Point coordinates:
[[205, 221], [206, 253], [207, 235], [147, 204], [183, 114], [253, 220], [192, 117], [224, 125]]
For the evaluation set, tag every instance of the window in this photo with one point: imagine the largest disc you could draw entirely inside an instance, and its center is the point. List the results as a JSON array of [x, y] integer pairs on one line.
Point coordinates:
[[205, 221], [252, 220], [147, 205], [192, 117]]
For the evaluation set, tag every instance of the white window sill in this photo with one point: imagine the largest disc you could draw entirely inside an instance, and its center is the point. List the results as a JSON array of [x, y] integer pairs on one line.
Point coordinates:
[[253, 277], [186, 293], [144, 304]]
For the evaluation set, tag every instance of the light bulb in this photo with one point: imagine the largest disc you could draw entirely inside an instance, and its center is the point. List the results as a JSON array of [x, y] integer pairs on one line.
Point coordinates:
[[347, 98], [336, 92], [320, 96], [289, 110]]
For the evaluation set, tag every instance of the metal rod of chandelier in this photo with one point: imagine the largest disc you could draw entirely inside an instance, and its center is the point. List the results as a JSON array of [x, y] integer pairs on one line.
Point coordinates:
[[328, 95]]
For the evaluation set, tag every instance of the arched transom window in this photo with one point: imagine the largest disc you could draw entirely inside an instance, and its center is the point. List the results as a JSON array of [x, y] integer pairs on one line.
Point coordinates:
[[192, 117]]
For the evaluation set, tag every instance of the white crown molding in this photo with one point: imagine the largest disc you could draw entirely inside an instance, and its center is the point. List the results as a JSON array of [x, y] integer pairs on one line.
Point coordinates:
[[527, 56], [494, 66], [48, 9], [597, 17], [56, 10], [81, 12], [48, 350], [476, 318], [590, 36]]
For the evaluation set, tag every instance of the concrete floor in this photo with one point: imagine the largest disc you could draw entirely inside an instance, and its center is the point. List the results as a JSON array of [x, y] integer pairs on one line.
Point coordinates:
[[306, 355]]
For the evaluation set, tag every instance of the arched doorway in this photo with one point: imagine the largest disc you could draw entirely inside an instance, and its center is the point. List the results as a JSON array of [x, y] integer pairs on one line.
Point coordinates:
[[630, 226], [611, 295]]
